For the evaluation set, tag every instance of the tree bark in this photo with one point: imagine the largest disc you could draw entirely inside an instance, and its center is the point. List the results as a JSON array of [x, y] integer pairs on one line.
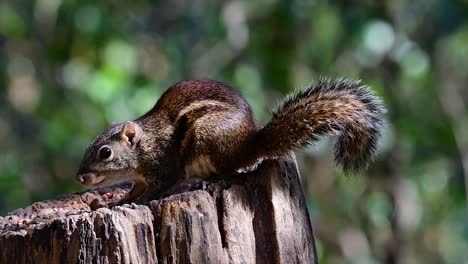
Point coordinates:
[[259, 217]]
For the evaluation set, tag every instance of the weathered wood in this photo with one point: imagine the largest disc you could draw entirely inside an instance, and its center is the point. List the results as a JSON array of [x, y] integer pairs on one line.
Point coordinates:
[[260, 217]]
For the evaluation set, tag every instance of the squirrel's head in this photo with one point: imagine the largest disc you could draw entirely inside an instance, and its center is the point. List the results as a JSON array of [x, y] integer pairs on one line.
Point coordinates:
[[112, 157]]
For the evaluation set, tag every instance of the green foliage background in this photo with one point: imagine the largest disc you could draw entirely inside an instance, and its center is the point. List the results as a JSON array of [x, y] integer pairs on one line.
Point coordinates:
[[70, 67]]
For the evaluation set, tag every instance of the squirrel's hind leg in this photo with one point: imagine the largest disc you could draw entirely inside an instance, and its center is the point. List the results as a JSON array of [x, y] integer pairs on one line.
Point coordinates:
[[216, 143]]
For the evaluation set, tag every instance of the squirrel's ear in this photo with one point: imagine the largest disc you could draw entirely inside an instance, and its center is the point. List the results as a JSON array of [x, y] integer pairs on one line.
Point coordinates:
[[131, 133]]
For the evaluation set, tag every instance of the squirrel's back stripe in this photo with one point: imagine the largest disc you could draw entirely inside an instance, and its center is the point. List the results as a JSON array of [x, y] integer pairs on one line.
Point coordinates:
[[202, 104]]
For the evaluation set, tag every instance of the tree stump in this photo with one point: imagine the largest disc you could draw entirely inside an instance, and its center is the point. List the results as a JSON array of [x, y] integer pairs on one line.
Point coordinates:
[[261, 217]]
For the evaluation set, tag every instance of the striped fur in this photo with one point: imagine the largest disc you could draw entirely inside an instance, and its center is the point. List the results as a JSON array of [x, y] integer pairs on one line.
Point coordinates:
[[203, 127]]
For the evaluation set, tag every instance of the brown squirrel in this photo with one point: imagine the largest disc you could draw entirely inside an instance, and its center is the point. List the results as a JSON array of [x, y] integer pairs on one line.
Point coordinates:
[[203, 127]]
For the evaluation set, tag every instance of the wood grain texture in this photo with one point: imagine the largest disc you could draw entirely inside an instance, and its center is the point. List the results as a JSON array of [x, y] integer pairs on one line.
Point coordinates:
[[260, 217]]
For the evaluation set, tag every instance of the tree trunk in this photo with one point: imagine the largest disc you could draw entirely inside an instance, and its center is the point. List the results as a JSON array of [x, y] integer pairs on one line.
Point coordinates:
[[260, 217]]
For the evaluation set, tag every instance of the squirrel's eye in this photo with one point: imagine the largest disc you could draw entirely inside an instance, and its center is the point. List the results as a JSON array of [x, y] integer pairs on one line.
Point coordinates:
[[105, 153]]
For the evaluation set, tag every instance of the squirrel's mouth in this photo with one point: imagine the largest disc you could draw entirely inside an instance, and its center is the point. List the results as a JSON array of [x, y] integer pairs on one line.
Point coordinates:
[[90, 179]]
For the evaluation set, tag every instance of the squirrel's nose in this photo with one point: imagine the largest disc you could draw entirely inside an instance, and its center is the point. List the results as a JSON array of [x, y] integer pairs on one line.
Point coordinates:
[[83, 178], [80, 179]]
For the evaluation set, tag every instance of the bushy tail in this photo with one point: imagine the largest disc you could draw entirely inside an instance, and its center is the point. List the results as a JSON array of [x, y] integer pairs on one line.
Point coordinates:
[[344, 108]]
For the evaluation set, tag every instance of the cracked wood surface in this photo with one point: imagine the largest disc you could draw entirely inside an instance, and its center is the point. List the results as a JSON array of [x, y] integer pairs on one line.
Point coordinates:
[[260, 217]]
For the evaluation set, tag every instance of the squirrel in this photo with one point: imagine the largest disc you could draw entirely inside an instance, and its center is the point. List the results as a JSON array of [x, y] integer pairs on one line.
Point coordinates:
[[203, 127]]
